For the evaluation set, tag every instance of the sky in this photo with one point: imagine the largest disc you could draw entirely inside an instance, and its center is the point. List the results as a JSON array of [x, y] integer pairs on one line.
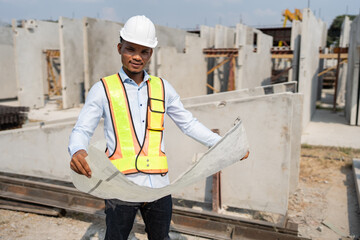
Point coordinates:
[[185, 14]]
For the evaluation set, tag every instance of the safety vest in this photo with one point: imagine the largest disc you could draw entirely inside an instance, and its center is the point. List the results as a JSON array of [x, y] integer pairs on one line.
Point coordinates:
[[129, 155]]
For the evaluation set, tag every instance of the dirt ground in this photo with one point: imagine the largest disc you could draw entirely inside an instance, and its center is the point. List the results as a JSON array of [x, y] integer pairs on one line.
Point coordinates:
[[324, 205]]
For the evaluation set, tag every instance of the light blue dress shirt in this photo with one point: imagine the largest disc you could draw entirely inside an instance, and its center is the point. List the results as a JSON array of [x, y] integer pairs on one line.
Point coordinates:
[[96, 107]]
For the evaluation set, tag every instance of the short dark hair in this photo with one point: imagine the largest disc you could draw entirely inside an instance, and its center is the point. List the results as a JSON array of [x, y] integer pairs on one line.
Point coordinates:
[[121, 39]]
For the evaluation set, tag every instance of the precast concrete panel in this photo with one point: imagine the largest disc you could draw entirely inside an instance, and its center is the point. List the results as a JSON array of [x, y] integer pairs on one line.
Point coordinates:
[[311, 41], [7, 64], [352, 107], [344, 42], [101, 57], [261, 182], [295, 47], [30, 62], [209, 34], [171, 37], [72, 61], [39, 151], [224, 37], [296, 130], [185, 71], [254, 61]]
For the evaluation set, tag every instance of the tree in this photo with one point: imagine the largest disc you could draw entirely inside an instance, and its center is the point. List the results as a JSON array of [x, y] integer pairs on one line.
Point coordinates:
[[335, 30]]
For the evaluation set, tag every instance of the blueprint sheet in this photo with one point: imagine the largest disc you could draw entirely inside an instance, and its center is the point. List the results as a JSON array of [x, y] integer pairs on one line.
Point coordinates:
[[107, 182]]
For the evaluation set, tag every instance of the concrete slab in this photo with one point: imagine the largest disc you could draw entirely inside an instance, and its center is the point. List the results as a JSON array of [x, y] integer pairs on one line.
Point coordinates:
[[101, 57], [356, 169], [30, 62], [331, 129], [72, 61], [344, 42], [209, 34], [311, 40], [262, 181], [254, 61], [352, 107], [8, 84], [171, 66], [23, 151]]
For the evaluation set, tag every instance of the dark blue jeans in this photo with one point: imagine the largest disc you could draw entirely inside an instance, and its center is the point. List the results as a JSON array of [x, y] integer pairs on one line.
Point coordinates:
[[120, 218]]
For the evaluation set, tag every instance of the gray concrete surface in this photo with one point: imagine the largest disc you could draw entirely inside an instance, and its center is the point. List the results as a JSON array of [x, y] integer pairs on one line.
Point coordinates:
[[356, 170], [72, 61], [344, 42], [331, 129], [253, 69], [7, 67], [185, 71], [352, 106], [30, 62], [268, 121], [101, 57]]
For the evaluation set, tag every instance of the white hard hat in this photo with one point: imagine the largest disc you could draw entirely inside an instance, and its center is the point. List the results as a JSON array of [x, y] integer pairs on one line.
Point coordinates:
[[139, 30]]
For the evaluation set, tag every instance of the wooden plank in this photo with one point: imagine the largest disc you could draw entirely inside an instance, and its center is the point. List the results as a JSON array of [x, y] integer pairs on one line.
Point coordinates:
[[333, 56], [277, 56]]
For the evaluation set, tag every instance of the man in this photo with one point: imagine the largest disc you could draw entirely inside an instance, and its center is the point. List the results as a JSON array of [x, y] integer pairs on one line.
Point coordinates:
[[133, 104]]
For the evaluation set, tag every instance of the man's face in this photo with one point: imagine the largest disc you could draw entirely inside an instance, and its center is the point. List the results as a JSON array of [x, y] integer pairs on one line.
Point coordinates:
[[134, 57]]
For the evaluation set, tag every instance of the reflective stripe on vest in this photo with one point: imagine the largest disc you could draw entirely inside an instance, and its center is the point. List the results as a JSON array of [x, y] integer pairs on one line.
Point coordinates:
[[129, 155]]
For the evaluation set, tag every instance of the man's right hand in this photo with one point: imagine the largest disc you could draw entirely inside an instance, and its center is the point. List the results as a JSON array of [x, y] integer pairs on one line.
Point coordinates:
[[78, 163]]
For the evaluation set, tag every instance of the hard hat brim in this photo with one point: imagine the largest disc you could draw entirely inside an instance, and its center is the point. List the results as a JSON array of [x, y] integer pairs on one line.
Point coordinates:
[[137, 41]]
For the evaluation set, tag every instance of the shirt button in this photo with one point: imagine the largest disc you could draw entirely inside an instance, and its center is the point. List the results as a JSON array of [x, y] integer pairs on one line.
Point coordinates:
[[140, 105], [147, 165], [138, 89], [143, 120]]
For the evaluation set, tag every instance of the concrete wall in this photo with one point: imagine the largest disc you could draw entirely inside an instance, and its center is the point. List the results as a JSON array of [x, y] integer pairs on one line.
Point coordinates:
[[344, 42], [39, 151], [185, 71], [312, 31], [352, 108], [253, 68], [72, 61], [295, 47], [30, 61], [101, 57], [262, 182], [260, 91], [208, 33], [7, 68]]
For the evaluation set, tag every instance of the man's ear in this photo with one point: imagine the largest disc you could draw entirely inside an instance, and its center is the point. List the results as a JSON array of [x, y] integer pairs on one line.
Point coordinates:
[[119, 48]]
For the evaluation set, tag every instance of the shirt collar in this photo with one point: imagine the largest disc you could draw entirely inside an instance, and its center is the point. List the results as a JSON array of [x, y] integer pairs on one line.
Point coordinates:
[[125, 78]]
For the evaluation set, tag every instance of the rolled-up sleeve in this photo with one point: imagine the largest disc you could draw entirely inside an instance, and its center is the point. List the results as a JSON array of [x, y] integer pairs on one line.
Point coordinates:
[[88, 120], [184, 119]]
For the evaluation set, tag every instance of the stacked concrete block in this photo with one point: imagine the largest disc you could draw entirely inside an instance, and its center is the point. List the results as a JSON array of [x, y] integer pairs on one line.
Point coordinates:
[[72, 61], [8, 88], [352, 107], [344, 42], [101, 57], [254, 61], [30, 41], [261, 182], [185, 71], [312, 40]]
